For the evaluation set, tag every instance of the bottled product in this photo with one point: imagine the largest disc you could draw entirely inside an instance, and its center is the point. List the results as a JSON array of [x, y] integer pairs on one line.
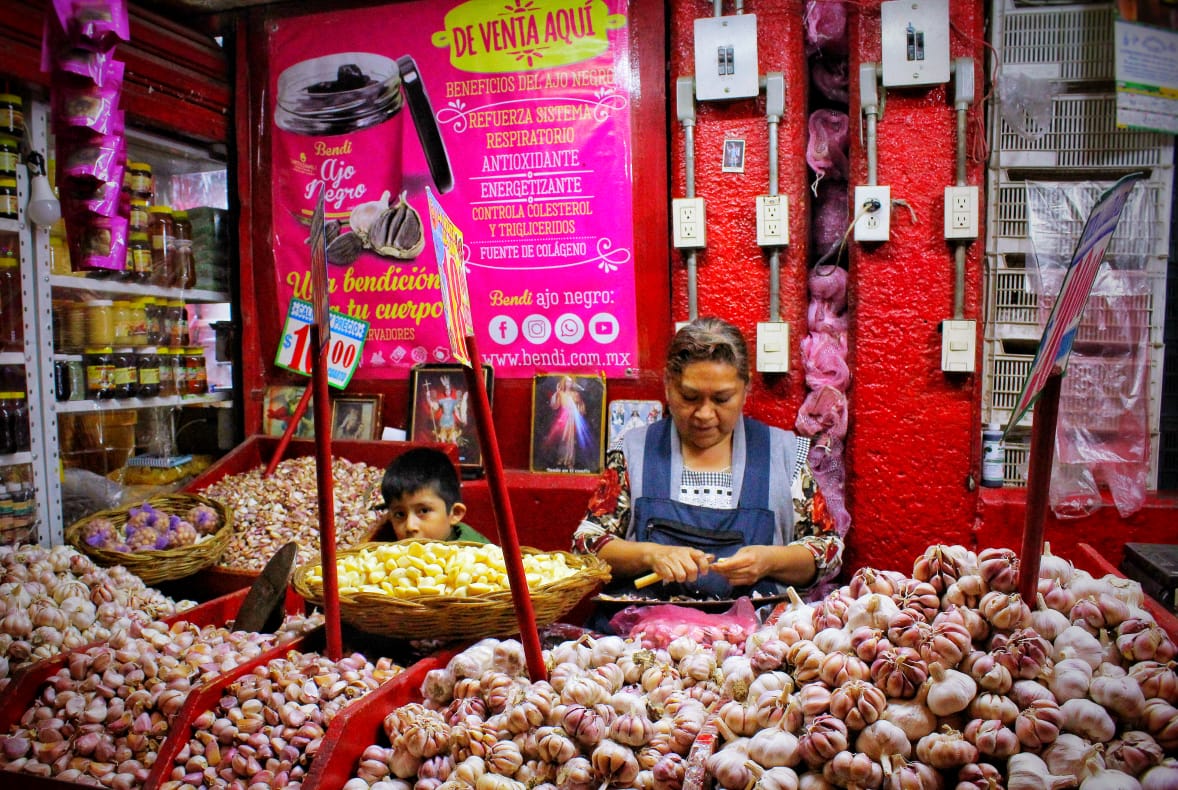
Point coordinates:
[[138, 321], [167, 374], [6, 445], [9, 156], [196, 377], [11, 312], [8, 199], [75, 326], [148, 362], [100, 324], [59, 251], [179, 370], [61, 380], [141, 181], [139, 256], [24, 510], [6, 512], [162, 232], [77, 370], [155, 320], [12, 116], [993, 457], [178, 316], [126, 372], [18, 422], [183, 259], [140, 218], [122, 322], [100, 372]]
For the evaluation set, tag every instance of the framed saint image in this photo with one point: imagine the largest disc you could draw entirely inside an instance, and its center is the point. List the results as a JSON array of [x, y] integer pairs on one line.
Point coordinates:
[[440, 410], [278, 407], [627, 414], [568, 415], [733, 156], [356, 417]]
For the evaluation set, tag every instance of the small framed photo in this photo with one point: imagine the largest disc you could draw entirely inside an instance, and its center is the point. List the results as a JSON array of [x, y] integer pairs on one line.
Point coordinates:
[[733, 156], [568, 415], [356, 417], [279, 406], [440, 411], [627, 414]]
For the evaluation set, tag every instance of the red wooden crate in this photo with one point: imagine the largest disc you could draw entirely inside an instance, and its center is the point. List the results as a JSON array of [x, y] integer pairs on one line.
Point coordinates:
[[1088, 559], [360, 725], [205, 697], [22, 691]]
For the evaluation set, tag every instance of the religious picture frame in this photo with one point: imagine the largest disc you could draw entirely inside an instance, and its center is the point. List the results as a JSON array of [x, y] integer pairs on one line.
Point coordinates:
[[568, 420], [357, 417], [627, 414], [733, 156], [278, 406], [441, 410]]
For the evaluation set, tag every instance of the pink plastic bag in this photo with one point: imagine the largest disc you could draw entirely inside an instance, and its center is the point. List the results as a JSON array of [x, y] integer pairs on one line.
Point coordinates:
[[831, 217], [829, 78], [98, 24], [826, 150], [823, 411], [829, 283], [824, 358], [657, 626], [826, 27]]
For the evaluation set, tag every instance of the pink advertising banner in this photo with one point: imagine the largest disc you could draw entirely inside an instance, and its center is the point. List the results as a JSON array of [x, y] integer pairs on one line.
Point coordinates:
[[519, 120]]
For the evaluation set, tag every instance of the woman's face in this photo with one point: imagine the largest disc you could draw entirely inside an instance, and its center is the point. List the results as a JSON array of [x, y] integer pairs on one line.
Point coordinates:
[[705, 403]]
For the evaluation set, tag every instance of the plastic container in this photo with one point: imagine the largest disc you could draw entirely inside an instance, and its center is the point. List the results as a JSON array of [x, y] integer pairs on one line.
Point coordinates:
[[61, 380], [993, 457], [9, 156], [162, 232], [183, 259], [139, 219], [154, 312], [122, 322], [179, 371], [6, 445], [11, 305], [8, 199], [18, 422], [147, 361], [100, 323], [138, 322], [126, 372], [74, 333], [12, 115], [141, 181], [167, 374], [100, 372], [196, 377]]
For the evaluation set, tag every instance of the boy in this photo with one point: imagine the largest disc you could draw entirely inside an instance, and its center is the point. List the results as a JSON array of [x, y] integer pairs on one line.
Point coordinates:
[[422, 495]]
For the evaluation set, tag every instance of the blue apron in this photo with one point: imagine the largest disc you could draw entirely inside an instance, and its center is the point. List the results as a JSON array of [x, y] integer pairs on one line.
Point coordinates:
[[658, 518]]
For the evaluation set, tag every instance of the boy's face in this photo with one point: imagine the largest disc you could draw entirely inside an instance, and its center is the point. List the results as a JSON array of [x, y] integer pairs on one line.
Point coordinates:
[[422, 514]]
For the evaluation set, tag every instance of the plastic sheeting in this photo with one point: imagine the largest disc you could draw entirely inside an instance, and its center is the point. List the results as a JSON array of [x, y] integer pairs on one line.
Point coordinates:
[[1102, 438]]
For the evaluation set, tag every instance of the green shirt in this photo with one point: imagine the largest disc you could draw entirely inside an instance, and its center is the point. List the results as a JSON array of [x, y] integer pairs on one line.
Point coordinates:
[[466, 532]]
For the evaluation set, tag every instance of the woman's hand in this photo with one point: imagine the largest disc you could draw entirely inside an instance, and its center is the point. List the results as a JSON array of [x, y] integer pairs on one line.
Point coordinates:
[[747, 566], [678, 563]]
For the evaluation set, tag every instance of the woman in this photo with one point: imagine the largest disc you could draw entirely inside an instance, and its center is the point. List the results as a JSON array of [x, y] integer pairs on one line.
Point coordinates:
[[716, 503]]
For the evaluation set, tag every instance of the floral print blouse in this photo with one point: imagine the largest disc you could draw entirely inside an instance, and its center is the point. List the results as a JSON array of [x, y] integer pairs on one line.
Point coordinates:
[[609, 515]]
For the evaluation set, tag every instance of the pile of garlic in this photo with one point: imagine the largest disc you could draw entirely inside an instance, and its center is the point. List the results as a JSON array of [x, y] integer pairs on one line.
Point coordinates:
[[57, 599]]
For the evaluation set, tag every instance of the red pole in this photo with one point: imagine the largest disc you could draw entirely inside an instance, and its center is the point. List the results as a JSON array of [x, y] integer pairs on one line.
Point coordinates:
[[504, 519], [291, 426], [1040, 459], [326, 490]]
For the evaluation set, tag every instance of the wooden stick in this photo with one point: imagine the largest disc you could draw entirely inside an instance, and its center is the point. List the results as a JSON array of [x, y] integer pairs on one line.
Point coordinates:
[[647, 580], [1042, 454], [291, 427]]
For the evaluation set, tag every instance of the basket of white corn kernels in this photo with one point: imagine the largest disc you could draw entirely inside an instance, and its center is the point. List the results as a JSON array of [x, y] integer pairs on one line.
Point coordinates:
[[417, 589]]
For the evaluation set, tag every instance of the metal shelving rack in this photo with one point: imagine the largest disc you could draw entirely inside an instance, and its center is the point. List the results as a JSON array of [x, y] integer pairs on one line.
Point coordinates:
[[40, 286], [1073, 47]]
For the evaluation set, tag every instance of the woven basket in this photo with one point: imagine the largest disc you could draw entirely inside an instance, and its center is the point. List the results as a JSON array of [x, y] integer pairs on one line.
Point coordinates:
[[159, 565], [452, 617]]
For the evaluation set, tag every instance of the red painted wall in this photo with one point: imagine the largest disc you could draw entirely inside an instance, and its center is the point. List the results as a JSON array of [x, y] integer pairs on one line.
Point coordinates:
[[914, 438]]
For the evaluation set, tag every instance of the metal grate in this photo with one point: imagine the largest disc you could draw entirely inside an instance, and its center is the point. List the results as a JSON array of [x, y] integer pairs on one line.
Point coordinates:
[[1016, 452], [1083, 134], [1074, 44]]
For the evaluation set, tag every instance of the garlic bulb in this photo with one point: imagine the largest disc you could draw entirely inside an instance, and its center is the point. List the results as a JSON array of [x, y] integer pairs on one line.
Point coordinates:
[[949, 691], [1027, 771]]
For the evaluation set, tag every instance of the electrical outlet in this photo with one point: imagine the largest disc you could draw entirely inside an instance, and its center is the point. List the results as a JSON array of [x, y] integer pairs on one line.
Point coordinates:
[[958, 346], [961, 212], [873, 207], [688, 229], [773, 347], [772, 220]]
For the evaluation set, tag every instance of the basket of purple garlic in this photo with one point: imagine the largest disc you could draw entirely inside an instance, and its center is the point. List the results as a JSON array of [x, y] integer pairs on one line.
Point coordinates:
[[167, 537]]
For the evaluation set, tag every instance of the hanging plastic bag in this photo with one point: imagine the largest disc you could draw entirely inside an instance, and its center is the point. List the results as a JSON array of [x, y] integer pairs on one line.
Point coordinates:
[[826, 148], [657, 626], [1025, 103]]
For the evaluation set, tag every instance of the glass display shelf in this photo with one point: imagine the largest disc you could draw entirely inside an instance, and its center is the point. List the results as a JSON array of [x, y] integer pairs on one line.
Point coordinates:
[[120, 288], [15, 459], [118, 404]]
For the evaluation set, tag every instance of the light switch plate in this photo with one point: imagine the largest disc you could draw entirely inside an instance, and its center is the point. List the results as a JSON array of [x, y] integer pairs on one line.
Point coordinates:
[[726, 57], [773, 347], [914, 42], [958, 346]]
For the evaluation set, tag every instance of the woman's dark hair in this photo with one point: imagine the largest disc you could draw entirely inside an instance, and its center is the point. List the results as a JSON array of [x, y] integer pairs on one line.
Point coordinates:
[[708, 340], [417, 469]]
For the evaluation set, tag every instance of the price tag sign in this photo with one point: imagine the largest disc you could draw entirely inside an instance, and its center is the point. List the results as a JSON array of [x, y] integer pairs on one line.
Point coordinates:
[[346, 342]]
